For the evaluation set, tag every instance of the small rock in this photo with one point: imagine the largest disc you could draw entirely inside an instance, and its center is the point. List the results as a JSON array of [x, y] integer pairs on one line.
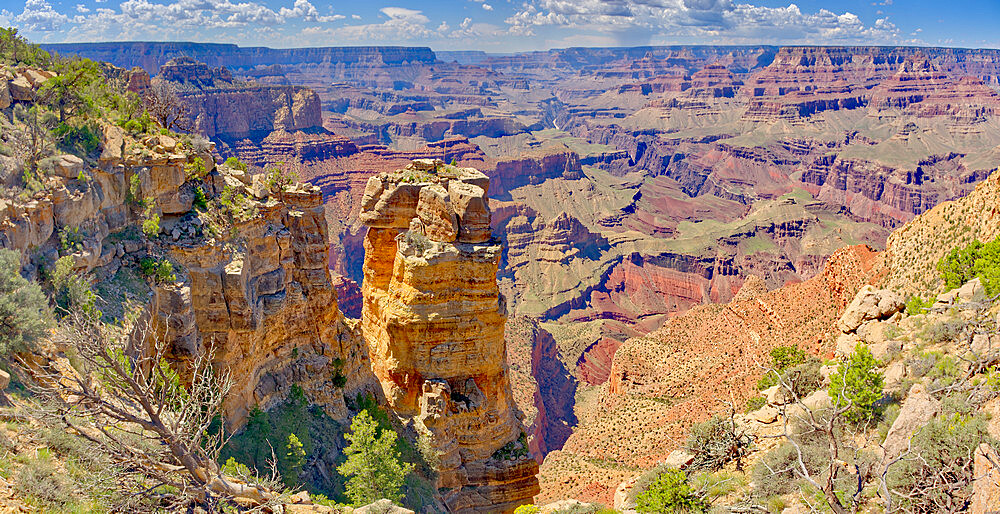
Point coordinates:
[[300, 497], [382, 507], [766, 415], [846, 343], [175, 234], [67, 166], [678, 459], [971, 291], [894, 374]]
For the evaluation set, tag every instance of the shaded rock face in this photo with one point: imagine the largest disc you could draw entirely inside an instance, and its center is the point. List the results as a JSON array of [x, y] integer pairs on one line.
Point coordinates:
[[237, 113], [221, 108], [268, 308], [433, 318]]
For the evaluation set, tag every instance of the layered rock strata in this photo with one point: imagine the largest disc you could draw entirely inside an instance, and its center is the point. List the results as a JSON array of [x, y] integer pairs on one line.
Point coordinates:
[[433, 318]]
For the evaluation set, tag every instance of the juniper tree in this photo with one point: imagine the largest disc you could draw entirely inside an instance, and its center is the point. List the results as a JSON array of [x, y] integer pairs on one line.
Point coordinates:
[[373, 468]]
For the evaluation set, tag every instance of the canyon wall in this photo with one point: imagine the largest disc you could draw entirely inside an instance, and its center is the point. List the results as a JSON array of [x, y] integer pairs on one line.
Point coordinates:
[[434, 319], [151, 55]]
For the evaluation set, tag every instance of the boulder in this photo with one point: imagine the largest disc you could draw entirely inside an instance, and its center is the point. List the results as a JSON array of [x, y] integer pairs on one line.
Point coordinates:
[[20, 89], [382, 507], [4, 94], [846, 343], [986, 486], [766, 415], [66, 166], [473, 211], [918, 408], [112, 144], [435, 211], [971, 291], [869, 304], [4, 379], [678, 459]]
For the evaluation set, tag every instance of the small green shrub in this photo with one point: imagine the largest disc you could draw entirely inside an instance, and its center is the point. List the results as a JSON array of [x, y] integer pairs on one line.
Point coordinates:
[[159, 270], [278, 179], [916, 305], [858, 383], [755, 403], [670, 492], [782, 358], [150, 220], [71, 290], [234, 163], [80, 140], [195, 170], [200, 199], [70, 239], [517, 448]]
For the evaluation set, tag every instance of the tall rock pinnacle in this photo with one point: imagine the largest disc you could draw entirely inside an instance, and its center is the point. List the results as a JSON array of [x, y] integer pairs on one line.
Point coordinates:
[[433, 318]]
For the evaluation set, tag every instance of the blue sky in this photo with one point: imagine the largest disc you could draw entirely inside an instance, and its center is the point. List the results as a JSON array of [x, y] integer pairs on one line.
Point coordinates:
[[511, 25]]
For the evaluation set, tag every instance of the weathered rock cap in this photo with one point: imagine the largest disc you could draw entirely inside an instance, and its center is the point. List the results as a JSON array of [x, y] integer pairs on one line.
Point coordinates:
[[450, 202], [869, 304]]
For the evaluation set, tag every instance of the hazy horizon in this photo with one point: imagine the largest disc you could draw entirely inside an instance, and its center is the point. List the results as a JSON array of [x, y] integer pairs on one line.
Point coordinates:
[[505, 26]]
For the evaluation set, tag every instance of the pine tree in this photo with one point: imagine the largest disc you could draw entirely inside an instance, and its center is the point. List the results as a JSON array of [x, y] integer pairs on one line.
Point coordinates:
[[373, 468]]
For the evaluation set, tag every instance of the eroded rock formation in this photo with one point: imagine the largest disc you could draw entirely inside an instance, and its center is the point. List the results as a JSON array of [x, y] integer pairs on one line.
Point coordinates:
[[434, 319]]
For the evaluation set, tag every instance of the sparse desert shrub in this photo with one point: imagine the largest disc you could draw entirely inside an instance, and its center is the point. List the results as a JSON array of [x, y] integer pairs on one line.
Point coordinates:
[[22, 305], [858, 383], [773, 475], [944, 331], [526, 509], [39, 479], [938, 475], [717, 442]]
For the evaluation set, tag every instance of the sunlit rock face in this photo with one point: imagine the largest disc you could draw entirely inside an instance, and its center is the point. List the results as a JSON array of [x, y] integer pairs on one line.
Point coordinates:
[[433, 318]]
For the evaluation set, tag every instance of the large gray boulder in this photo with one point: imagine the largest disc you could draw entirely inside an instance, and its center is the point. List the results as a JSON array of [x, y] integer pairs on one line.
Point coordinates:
[[869, 304], [918, 408]]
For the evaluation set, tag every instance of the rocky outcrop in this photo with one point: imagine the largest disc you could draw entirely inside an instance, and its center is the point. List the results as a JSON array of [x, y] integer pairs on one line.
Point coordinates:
[[267, 307], [253, 110], [433, 319]]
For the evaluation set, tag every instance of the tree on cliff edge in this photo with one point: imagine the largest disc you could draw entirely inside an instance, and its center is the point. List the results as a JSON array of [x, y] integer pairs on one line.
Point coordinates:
[[373, 468]]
